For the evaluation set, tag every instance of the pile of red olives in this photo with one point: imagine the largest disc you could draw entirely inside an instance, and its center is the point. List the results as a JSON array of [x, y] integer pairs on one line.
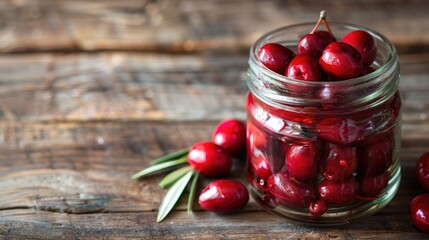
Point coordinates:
[[419, 207], [214, 159]]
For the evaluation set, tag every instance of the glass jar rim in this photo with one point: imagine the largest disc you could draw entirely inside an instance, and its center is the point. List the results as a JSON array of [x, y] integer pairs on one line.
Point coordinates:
[[360, 79]]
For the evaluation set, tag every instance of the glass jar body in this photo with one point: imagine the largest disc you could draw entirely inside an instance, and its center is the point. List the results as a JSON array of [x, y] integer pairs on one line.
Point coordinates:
[[320, 146]]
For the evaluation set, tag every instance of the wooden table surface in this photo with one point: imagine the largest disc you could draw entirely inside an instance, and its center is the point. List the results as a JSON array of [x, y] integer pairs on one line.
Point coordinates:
[[92, 91]]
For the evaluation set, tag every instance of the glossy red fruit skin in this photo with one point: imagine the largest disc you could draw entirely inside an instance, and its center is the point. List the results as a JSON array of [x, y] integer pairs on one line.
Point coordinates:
[[301, 161], [259, 166], [422, 171], [275, 57], [340, 192], [364, 43], [291, 192], [276, 153], [372, 186], [341, 61], [230, 134], [318, 208], [329, 37], [339, 162], [375, 155], [314, 42], [419, 212], [209, 159], [342, 130], [305, 66], [255, 137], [224, 196]]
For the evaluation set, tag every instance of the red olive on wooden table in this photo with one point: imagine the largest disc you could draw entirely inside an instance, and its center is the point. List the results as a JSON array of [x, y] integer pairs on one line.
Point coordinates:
[[419, 210], [209, 159], [224, 196], [230, 134], [422, 170]]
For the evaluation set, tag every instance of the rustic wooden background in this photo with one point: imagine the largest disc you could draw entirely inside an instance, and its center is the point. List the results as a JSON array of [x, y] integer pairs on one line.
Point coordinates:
[[91, 91]]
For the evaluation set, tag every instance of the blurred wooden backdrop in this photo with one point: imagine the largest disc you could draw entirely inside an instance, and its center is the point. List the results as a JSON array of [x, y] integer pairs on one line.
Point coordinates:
[[91, 91], [190, 25]]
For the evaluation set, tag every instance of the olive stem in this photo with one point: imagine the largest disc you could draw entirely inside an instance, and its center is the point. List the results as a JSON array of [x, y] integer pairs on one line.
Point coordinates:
[[326, 23], [321, 18]]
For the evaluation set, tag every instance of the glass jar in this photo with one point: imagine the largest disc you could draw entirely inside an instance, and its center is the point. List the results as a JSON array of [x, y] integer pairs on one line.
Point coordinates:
[[312, 145]]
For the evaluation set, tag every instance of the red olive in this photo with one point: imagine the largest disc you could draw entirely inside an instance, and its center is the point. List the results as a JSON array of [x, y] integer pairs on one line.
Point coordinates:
[[364, 43], [260, 166], [419, 209], [340, 60], [375, 156], [291, 192], [339, 193], [224, 196], [301, 161], [343, 130], [339, 162], [372, 186], [231, 135], [318, 208], [209, 159], [275, 57], [423, 171], [315, 42]]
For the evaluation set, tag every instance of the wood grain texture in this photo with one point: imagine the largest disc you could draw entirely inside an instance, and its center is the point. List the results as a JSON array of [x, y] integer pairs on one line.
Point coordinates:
[[202, 225], [80, 187], [68, 174], [29, 223], [121, 86], [190, 25], [92, 91], [151, 87]]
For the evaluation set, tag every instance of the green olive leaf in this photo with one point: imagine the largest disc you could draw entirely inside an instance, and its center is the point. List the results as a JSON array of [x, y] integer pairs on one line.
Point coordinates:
[[192, 192], [159, 168], [171, 156], [172, 177], [173, 194]]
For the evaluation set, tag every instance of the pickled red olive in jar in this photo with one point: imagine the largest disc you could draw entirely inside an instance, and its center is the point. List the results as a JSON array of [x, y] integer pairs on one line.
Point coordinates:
[[339, 192], [339, 162], [260, 167], [323, 152], [375, 155], [291, 192], [302, 159]]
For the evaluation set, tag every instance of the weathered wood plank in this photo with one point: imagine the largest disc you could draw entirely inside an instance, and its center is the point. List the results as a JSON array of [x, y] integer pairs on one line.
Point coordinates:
[[31, 224], [150, 87], [86, 167], [121, 87], [77, 167], [74, 127], [189, 25]]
